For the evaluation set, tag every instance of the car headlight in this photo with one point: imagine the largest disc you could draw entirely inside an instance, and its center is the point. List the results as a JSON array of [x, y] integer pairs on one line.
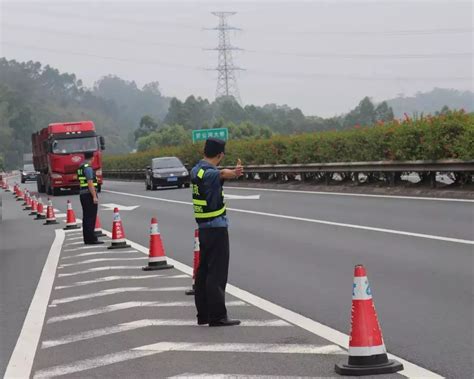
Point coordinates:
[[184, 173], [99, 172], [56, 176], [157, 175]]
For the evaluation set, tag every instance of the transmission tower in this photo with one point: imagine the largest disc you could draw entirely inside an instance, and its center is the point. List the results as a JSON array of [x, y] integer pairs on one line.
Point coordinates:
[[226, 80]]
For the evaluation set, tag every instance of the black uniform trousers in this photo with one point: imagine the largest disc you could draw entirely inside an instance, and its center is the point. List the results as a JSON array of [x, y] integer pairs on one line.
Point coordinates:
[[89, 215], [211, 276]]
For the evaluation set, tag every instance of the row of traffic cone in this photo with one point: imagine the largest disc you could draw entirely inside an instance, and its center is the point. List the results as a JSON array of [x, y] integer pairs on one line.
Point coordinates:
[[367, 352]]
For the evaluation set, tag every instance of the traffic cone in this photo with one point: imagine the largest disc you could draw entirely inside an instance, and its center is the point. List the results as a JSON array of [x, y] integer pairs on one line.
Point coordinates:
[[71, 222], [50, 217], [118, 234], [98, 228], [21, 195], [197, 254], [34, 206], [367, 353], [157, 256], [26, 196], [27, 202], [15, 190], [40, 210]]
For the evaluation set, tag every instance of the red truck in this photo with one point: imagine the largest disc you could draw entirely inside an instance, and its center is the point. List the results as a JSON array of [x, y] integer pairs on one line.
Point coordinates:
[[58, 151]]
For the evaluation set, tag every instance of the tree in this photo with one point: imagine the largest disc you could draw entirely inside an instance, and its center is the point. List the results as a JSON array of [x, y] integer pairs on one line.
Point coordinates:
[[147, 126], [383, 112]]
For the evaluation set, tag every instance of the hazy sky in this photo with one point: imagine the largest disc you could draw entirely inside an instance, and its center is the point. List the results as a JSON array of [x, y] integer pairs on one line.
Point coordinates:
[[320, 56]]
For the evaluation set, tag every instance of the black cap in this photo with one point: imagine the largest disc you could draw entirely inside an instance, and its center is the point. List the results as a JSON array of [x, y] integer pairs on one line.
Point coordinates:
[[214, 147]]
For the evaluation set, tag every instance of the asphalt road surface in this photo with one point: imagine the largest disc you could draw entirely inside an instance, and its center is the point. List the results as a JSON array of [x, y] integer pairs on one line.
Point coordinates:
[[298, 251]]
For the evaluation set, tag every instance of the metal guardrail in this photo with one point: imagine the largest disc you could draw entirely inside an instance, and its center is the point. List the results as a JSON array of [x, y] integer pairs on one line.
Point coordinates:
[[388, 171]]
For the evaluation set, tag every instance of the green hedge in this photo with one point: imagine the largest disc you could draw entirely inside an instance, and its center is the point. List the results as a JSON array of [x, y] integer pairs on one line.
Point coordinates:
[[445, 136]]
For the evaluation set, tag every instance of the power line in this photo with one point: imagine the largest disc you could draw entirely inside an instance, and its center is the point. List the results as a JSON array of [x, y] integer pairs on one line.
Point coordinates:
[[441, 55], [226, 80]]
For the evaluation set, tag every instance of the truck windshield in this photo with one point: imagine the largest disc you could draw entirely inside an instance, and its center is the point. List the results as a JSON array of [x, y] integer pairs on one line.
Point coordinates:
[[28, 167], [171, 162], [74, 145]]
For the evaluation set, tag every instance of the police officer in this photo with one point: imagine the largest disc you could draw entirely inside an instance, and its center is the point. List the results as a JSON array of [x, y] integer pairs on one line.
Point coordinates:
[[210, 214], [89, 200]]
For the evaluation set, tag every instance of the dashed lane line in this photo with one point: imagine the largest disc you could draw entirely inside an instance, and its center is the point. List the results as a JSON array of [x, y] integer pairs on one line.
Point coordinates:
[[315, 221], [98, 253], [117, 277], [133, 304], [89, 261], [133, 325], [96, 269], [161, 347]]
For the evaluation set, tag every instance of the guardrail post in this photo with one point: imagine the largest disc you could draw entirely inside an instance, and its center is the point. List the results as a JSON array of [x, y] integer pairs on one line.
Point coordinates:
[[433, 179]]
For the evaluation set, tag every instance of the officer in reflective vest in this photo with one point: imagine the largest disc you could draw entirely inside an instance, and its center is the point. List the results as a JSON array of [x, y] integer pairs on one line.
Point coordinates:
[[210, 214], [89, 200]]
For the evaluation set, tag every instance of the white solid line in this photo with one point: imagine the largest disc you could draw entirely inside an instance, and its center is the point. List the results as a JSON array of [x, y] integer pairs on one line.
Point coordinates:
[[100, 260], [124, 277], [143, 351], [105, 252], [351, 194], [96, 269], [114, 291], [410, 370], [120, 328], [23, 354], [133, 304], [315, 221]]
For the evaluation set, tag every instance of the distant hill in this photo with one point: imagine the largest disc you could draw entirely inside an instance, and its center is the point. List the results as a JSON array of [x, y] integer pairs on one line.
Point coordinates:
[[430, 102]]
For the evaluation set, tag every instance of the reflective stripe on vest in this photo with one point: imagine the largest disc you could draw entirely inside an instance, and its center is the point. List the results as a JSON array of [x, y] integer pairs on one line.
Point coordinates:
[[82, 177], [209, 214], [202, 211]]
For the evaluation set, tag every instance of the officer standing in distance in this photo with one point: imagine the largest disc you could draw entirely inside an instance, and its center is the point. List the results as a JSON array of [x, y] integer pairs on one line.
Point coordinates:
[[89, 200], [210, 214]]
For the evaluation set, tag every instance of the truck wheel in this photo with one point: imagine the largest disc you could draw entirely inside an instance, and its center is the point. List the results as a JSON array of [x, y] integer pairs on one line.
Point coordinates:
[[187, 185], [55, 191], [99, 187], [49, 190], [23, 180], [39, 185]]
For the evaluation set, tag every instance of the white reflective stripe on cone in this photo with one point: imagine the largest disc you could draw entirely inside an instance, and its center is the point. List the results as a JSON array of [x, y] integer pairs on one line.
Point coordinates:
[[120, 240], [70, 223], [157, 259], [366, 351], [154, 229], [361, 289]]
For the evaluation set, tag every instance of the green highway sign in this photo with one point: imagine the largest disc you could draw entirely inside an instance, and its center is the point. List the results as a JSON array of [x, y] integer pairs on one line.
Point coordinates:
[[204, 134]]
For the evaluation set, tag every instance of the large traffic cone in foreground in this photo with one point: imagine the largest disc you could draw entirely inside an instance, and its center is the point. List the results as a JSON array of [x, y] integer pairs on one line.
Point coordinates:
[[98, 228], [40, 215], [50, 216], [71, 222], [157, 256], [196, 258], [118, 234], [367, 353], [34, 206]]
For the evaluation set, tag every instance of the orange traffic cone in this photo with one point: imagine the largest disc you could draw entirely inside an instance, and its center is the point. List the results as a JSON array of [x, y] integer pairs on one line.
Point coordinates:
[[118, 234], [367, 353], [34, 206], [71, 222], [50, 216], [27, 202], [197, 253], [98, 228], [40, 215], [157, 256], [21, 195]]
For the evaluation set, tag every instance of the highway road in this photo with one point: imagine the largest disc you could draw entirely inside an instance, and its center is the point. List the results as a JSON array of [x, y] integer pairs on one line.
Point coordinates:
[[298, 250]]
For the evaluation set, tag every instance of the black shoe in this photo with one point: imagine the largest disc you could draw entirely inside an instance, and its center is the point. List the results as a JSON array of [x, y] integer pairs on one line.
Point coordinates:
[[224, 322], [203, 322], [94, 243]]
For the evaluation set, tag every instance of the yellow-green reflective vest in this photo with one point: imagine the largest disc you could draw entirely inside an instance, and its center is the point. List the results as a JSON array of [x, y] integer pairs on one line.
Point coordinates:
[[202, 211], [82, 177]]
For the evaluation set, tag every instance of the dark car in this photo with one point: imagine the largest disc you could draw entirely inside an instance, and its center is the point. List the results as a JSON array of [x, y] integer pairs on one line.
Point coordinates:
[[166, 172], [28, 173]]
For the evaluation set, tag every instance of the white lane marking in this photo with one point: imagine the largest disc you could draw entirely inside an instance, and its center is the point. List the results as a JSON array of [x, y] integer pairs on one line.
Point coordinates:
[[95, 333], [111, 206], [352, 194], [87, 247], [74, 238], [315, 221], [74, 243], [23, 354], [134, 304], [97, 269], [143, 351], [190, 375], [410, 370], [105, 252], [114, 291], [124, 277], [240, 197], [88, 261]]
